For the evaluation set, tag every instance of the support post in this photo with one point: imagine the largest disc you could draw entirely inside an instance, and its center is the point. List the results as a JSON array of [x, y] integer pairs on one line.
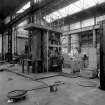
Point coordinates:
[[31, 20], [15, 40], [94, 38], [102, 56], [47, 49], [2, 46], [10, 44], [69, 44], [22, 65]]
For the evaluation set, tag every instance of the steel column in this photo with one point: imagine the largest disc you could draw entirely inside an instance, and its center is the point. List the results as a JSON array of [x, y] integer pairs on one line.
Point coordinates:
[[94, 38], [10, 44], [102, 56], [2, 46], [31, 20], [47, 50], [69, 44]]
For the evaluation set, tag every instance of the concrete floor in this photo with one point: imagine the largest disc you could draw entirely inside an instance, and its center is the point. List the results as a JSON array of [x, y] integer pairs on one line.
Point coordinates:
[[68, 94]]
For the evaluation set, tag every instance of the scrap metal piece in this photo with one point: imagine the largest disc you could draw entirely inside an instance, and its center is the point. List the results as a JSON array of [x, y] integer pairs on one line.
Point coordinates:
[[16, 95]]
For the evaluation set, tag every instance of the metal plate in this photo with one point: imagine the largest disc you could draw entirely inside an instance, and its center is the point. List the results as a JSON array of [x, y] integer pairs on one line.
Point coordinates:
[[16, 94], [87, 83]]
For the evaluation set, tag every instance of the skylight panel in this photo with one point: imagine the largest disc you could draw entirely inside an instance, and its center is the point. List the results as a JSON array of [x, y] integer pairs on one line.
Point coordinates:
[[7, 20], [63, 12], [22, 24], [55, 15], [88, 3], [25, 7], [37, 1], [48, 18], [78, 4], [100, 1], [72, 9]]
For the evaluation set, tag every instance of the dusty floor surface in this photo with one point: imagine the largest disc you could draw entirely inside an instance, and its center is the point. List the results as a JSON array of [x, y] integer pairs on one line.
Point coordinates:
[[68, 94]]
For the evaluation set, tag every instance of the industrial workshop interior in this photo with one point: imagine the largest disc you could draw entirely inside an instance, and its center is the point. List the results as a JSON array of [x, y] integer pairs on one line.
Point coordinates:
[[52, 52]]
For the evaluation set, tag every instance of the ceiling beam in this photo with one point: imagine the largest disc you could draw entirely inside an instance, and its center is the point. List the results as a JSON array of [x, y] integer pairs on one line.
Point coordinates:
[[84, 14], [43, 5]]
